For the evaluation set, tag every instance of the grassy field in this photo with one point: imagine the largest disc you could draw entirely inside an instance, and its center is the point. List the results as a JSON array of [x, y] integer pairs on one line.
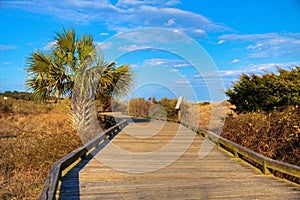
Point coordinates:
[[32, 136]]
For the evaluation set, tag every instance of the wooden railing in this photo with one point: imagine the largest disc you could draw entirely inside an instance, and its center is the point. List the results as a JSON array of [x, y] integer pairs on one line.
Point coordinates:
[[265, 164], [57, 169]]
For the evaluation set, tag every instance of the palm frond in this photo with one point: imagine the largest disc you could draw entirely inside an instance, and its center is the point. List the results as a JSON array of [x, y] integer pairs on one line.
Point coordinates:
[[54, 73], [85, 48]]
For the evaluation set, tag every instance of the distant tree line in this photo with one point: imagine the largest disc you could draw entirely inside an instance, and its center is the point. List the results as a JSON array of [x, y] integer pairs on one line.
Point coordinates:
[[18, 95], [266, 92]]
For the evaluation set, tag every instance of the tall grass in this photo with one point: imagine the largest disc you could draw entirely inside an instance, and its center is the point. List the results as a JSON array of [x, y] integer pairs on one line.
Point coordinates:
[[275, 134], [33, 136]]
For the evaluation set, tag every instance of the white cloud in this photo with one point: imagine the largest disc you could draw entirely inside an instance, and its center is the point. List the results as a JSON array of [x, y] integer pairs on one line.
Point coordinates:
[[258, 68], [268, 45], [7, 47], [156, 61], [178, 30], [132, 47], [183, 81], [49, 46], [134, 66], [170, 22], [104, 34], [104, 46], [200, 32], [128, 3], [174, 70], [256, 46], [235, 61], [7, 63], [172, 63], [173, 2], [221, 41], [229, 76], [181, 65], [124, 15], [247, 36]]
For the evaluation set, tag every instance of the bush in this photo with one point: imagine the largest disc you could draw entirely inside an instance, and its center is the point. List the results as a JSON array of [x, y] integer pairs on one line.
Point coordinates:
[[266, 92], [151, 108], [139, 107], [275, 134]]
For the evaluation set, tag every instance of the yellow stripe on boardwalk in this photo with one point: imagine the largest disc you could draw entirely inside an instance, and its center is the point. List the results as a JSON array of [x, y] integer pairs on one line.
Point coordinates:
[[160, 160]]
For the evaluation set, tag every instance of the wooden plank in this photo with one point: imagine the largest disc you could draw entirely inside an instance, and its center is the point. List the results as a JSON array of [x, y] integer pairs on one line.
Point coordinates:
[[216, 176]]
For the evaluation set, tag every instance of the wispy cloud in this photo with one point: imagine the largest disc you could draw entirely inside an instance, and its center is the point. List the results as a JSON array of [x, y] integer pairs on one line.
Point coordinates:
[[183, 81], [126, 3], [104, 34], [49, 46], [268, 45], [235, 61], [172, 63], [124, 15], [182, 65], [232, 75], [257, 46], [132, 47], [104, 46], [221, 41], [7, 47], [174, 70], [157, 62], [250, 68], [170, 22]]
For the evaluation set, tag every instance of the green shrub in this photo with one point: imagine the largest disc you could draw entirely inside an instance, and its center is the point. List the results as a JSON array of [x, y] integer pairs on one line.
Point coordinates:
[[266, 92]]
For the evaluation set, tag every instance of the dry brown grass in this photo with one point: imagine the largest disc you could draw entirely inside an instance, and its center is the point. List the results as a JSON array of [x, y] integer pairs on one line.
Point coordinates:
[[31, 141], [275, 134], [209, 116]]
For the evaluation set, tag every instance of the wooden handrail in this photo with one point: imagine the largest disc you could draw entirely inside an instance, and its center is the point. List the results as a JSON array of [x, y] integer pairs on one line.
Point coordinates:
[[55, 173], [239, 151]]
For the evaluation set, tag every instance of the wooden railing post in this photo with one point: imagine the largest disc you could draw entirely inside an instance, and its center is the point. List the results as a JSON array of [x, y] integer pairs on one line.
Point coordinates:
[[265, 169], [235, 153]]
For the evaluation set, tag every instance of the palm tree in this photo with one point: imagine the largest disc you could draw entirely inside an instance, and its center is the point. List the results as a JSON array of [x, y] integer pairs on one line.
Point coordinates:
[[52, 74]]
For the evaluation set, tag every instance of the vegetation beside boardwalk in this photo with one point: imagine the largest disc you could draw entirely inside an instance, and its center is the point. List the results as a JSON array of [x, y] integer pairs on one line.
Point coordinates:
[[155, 109], [269, 114], [33, 136], [266, 92], [274, 134]]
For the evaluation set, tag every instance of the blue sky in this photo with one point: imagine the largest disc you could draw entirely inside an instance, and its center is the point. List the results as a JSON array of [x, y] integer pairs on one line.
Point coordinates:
[[249, 36]]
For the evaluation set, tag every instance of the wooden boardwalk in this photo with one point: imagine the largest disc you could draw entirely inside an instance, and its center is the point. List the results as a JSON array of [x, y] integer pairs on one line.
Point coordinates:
[[160, 160]]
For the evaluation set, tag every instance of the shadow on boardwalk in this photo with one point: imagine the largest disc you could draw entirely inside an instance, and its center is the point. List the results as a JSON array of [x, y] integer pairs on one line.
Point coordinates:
[[71, 183]]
